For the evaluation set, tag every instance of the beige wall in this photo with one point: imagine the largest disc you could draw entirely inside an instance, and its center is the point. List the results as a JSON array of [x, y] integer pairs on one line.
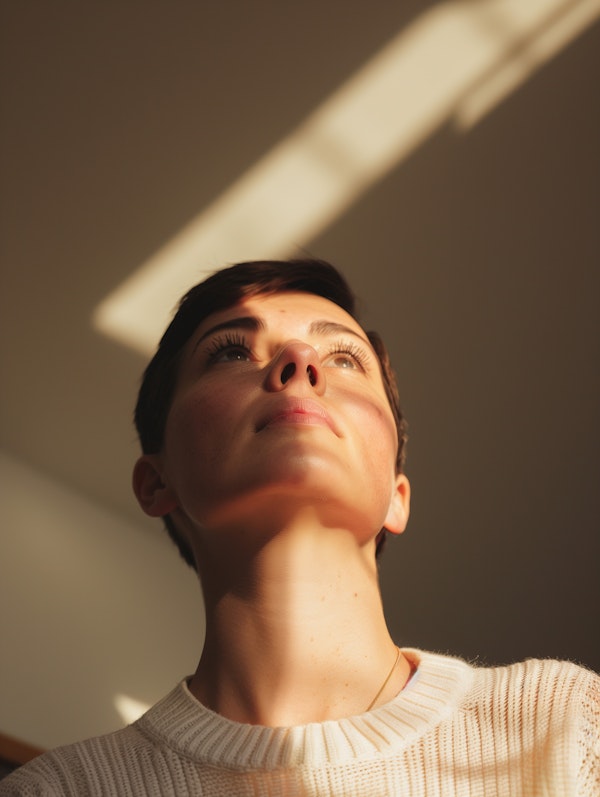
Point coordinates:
[[92, 607]]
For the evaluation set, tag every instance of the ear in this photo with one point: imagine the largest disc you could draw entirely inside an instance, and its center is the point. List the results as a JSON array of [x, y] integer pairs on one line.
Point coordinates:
[[153, 495], [399, 509]]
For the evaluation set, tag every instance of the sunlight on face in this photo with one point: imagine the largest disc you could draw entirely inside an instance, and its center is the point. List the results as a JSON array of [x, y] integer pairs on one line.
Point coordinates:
[[281, 401]]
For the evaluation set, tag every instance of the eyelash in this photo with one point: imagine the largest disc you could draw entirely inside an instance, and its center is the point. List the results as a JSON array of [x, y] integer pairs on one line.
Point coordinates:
[[234, 340], [352, 350]]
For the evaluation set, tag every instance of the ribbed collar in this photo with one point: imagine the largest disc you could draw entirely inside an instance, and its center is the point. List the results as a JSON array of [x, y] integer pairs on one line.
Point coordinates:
[[197, 733]]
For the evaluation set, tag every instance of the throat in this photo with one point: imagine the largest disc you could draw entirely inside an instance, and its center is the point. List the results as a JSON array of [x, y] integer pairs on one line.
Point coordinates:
[[292, 656], [280, 698]]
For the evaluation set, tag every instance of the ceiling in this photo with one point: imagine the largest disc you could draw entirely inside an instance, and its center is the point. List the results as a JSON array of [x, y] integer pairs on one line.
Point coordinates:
[[476, 256]]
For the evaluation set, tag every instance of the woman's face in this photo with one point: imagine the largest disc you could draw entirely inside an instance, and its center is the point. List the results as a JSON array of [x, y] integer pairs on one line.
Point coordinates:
[[280, 406]]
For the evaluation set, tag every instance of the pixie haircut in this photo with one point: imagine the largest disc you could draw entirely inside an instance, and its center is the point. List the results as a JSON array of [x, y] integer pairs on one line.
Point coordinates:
[[222, 290]]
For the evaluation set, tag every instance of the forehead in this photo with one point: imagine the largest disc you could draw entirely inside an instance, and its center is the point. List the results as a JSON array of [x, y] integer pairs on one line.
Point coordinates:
[[287, 309]]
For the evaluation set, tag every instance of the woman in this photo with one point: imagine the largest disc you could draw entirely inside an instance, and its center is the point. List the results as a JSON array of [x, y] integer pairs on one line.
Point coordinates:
[[273, 446]]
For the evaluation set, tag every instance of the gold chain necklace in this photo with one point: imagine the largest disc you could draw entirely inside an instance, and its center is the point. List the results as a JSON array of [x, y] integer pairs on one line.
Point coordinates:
[[385, 683]]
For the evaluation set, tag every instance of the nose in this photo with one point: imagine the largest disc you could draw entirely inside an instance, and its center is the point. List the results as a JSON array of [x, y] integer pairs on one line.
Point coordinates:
[[296, 363]]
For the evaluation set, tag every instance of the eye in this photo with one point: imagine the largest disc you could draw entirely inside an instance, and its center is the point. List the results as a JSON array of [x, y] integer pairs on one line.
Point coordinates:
[[228, 349], [345, 355]]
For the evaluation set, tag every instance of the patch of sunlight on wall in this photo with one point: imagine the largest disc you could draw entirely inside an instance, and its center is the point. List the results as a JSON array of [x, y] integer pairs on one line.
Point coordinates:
[[129, 709], [455, 62]]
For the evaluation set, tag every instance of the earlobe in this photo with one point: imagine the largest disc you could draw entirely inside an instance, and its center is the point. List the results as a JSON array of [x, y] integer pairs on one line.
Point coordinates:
[[155, 498], [399, 509]]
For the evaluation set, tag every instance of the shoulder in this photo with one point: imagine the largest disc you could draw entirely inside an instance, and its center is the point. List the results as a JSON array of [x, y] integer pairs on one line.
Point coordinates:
[[544, 691], [559, 702], [538, 717], [82, 768], [552, 679], [113, 763], [561, 685], [551, 706]]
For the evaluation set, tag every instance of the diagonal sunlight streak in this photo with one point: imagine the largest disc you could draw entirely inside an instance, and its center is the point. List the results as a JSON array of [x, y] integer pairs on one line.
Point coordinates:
[[561, 25], [454, 63]]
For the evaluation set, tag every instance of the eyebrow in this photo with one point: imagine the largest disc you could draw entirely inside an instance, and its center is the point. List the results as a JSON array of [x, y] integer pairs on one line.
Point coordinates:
[[256, 324], [249, 322], [331, 328]]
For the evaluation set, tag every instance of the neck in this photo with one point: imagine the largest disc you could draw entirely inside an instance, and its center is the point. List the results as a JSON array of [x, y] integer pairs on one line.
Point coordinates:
[[298, 633]]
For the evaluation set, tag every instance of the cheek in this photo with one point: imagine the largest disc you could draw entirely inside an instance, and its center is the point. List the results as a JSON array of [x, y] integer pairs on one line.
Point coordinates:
[[375, 461], [382, 455], [378, 430], [195, 425]]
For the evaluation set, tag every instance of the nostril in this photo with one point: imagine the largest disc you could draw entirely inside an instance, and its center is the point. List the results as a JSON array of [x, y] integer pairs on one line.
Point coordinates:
[[312, 375], [287, 373]]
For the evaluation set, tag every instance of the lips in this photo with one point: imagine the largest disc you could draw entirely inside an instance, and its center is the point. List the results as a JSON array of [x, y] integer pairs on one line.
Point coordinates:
[[296, 411]]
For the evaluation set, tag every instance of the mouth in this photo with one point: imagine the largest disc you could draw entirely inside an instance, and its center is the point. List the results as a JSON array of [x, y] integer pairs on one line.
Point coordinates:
[[296, 412]]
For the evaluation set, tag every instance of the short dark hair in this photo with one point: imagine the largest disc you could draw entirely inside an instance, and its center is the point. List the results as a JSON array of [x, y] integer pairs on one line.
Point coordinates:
[[222, 290]]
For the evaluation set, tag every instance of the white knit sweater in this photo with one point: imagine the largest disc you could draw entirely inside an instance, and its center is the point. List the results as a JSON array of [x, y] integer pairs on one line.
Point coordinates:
[[531, 728]]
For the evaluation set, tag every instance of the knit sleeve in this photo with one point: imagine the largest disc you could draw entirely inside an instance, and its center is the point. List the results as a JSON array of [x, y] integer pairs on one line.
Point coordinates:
[[589, 740]]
